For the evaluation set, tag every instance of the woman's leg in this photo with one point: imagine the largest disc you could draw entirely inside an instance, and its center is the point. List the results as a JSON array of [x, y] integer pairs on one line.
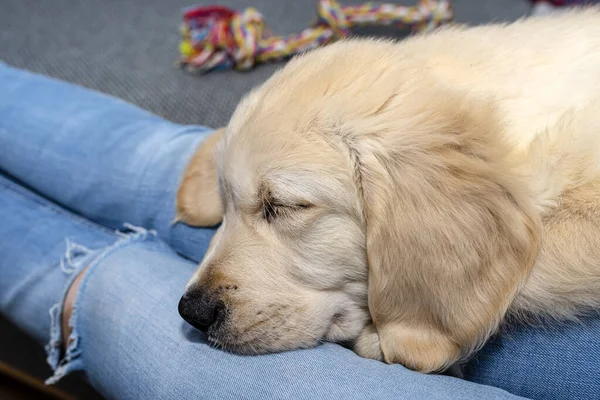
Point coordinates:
[[42, 251], [551, 361], [128, 338], [96, 155]]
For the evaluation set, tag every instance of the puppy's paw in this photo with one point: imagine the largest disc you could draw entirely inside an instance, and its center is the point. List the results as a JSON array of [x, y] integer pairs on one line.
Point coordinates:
[[367, 344], [198, 202], [423, 350]]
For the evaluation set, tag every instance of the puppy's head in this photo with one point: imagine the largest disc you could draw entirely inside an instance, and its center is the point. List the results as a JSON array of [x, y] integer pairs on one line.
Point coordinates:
[[362, 202], [287, 266]]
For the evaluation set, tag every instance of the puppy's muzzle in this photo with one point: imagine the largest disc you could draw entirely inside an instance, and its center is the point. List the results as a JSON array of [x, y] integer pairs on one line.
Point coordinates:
[[202, 309]]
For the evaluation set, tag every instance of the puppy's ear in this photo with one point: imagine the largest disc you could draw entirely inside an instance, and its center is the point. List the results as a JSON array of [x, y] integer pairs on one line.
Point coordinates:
[[451, 234], [198, 201]]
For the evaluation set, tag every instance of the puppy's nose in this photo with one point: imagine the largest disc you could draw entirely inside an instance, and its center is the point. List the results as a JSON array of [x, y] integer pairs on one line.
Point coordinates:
[[201, 309]]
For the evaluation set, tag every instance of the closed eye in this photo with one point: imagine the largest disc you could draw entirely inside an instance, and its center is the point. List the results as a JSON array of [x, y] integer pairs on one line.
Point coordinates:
[[272, 209]]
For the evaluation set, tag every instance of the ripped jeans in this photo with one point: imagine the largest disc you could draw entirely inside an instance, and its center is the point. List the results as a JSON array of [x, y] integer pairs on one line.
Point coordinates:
[[88, 180]]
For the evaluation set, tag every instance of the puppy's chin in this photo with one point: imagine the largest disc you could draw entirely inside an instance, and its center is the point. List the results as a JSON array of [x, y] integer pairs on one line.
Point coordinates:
[[258, 346], [272, 334], [257, 340]]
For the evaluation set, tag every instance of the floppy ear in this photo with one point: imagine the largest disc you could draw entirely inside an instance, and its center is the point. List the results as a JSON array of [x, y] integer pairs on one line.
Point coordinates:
[[451, 234], [198, 201]]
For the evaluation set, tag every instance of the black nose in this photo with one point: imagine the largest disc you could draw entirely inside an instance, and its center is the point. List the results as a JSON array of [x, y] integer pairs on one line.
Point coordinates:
[[201, 309]]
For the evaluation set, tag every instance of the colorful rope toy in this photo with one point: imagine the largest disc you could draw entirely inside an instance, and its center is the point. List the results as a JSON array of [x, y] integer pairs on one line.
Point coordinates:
[[216, 37]]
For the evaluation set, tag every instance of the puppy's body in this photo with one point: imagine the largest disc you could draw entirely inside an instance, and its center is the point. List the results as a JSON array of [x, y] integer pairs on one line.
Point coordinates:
[[442, 181], [543, 77], [534, 69]]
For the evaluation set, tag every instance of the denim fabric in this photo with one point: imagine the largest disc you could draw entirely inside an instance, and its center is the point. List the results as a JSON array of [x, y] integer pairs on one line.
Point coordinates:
[[128, 337], [34, 271], [550, 361], [97, 156], [95, 163]]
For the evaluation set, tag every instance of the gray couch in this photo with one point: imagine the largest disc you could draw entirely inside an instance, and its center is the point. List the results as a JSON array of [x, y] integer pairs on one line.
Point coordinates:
[[127, 48]]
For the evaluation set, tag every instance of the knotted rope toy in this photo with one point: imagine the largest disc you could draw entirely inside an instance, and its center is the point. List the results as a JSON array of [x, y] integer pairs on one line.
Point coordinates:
[[216, 37]]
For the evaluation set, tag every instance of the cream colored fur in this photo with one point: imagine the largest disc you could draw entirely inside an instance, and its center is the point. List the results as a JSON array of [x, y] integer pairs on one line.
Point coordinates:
[[407, 196]]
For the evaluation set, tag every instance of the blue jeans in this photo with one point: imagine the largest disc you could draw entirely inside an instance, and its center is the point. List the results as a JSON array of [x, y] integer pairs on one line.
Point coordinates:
[[88, 180]]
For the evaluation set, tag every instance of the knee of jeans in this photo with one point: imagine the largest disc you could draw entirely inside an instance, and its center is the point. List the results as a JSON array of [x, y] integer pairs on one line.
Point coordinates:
[[66, 357]]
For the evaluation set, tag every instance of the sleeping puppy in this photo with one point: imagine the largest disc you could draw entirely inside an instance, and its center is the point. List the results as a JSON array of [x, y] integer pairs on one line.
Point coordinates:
[[405, 197]]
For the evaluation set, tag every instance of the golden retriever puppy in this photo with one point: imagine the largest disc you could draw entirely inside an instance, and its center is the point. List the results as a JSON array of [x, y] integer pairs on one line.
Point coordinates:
[[405, 197]]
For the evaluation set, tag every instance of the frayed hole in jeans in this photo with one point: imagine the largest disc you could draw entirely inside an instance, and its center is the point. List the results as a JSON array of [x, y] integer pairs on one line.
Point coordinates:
[[75, 259]]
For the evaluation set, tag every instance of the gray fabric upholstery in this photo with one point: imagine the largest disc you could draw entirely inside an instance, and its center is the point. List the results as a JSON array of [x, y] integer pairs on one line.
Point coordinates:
[[127, 48]]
